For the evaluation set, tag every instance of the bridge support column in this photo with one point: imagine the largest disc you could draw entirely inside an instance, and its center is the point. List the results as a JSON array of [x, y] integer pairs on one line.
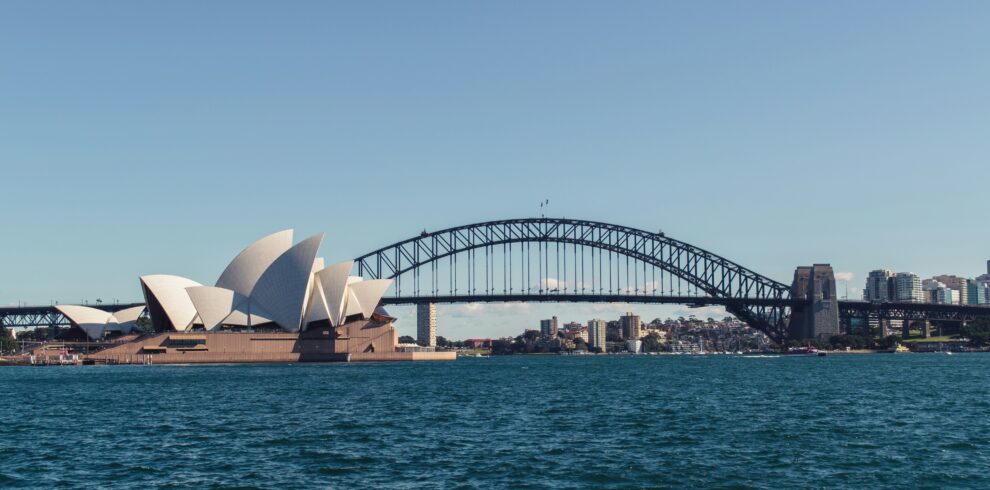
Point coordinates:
[[426, 324], [819, 318], [926, 328], [905, 329]]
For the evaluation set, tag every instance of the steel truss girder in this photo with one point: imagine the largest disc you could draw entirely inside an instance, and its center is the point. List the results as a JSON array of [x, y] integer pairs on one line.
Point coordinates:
[[911, 311], [45, 316]]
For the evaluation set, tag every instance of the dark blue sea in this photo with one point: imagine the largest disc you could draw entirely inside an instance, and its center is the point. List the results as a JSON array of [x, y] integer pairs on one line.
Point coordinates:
[[844, 421]]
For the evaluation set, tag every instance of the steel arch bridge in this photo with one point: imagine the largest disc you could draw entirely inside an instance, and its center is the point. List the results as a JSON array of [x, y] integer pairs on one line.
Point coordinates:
[[569, 260]]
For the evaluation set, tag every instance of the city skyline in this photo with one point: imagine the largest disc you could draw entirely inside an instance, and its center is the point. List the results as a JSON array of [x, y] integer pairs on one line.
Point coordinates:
[[440, 243], [772, 134]]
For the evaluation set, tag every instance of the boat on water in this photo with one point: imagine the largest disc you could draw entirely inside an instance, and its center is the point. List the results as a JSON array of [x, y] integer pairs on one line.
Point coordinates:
[[804, 351]]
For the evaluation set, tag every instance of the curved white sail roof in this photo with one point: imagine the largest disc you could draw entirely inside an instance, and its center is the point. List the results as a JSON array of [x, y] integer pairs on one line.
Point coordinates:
[[243, 273], [353, 306], [333, 281], [214, 304], [170, 292], [281, 289], [129, 315], [316, 306], [246, 314], [90, 320], [369, 294], [125, 320]]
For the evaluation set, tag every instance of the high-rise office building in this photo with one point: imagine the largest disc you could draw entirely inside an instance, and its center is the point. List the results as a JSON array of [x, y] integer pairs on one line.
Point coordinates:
[[548, 328], [426, 324], [942, 295], [956, 283], [596, 333], [630, 326], [907, 287], [976, 293], [878, 285]]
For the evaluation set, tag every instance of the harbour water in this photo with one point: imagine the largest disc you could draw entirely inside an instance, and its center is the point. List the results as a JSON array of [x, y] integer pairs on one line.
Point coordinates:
[[853, 421]]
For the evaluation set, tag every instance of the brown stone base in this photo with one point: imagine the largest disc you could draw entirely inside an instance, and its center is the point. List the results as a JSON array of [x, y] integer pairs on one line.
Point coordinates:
[[257, 347]]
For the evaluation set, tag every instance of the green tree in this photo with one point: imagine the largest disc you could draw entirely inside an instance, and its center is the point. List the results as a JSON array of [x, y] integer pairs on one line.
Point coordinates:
[[502, 347], [405, 339], [144, 323], [7, 342], [652, 343], [978, 332], [888, 342]]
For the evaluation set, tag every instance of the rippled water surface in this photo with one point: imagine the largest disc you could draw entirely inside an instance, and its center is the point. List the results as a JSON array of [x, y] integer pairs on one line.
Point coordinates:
[[915, 420]]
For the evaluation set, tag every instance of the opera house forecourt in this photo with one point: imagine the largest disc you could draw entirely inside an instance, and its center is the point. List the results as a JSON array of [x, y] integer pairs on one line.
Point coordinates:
[[275, 302]]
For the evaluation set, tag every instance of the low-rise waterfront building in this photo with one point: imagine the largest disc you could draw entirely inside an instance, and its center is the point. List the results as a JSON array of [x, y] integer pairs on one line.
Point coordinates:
[[478, 343], [686, 347], [634, 346], [576, 331]]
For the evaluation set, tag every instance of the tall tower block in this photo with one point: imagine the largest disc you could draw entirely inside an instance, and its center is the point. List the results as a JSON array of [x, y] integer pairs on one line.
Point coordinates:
[[426, 324]]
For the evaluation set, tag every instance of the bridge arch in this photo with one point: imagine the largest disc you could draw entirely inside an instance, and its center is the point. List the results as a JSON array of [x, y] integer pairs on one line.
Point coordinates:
[[759, 301]]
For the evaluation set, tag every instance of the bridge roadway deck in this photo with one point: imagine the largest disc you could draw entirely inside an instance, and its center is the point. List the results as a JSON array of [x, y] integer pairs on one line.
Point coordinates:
[[27, 316], [586, 298]]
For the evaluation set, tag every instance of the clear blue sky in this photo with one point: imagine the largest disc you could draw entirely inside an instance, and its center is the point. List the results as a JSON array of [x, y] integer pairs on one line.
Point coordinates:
[[151, 137]]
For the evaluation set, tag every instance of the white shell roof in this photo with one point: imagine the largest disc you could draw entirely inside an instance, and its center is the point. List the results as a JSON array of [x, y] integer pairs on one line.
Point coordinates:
[[170, 291], [90, 320], [369, 294], [240, 315], [281, 289], [214, 304], [333, 280], [129, 315], [353, 306], [243, 273], [316, 307]]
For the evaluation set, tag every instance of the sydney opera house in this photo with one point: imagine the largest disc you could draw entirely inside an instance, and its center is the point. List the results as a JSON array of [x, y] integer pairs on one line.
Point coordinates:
[[275, 302]]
